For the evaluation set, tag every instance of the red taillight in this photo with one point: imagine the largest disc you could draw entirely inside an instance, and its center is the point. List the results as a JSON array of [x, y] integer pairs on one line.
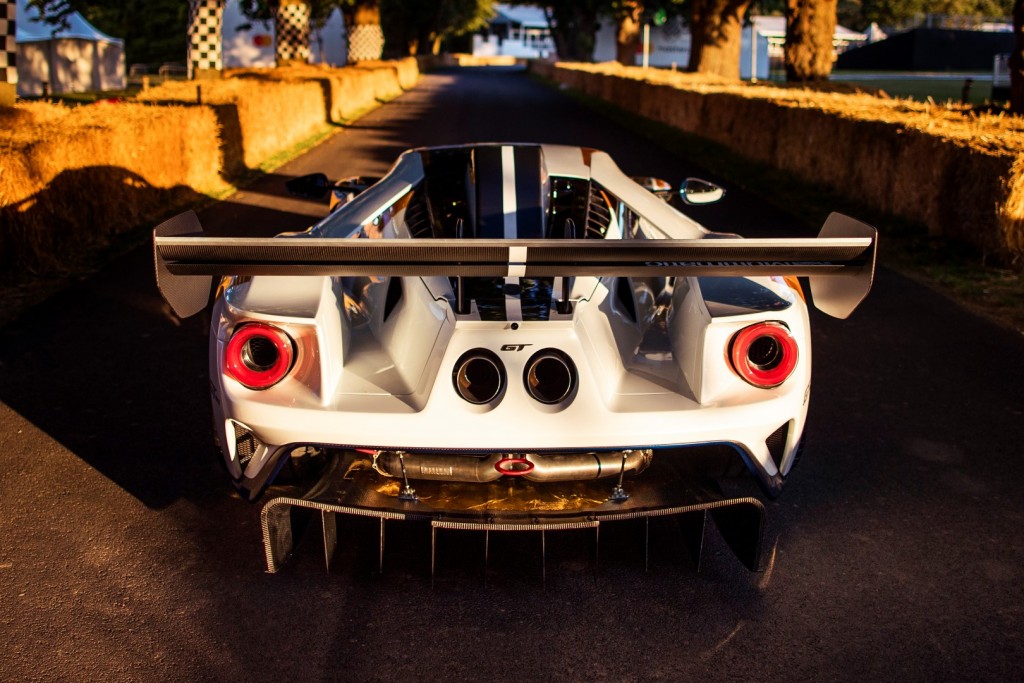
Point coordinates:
[[764, 354], [258, 355]]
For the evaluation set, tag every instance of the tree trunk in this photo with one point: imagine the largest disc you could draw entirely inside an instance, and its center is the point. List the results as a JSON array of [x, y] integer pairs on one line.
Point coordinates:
[[291, 32], [573, 27], [362, 26], [716, 35], [810, 25], [627, 38], [203, 58], [1017, 60]]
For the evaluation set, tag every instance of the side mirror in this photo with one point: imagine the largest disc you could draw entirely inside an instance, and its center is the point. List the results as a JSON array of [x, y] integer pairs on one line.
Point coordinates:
[[656, 186], [347, 189], [696, 191], [355, 184], [312, 186]]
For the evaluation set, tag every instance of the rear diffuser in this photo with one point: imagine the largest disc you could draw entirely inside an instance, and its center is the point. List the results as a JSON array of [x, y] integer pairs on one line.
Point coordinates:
[[349, 487]]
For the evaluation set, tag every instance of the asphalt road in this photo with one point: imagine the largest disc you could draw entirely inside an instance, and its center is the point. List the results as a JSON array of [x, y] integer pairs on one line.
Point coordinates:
[[124, 554]]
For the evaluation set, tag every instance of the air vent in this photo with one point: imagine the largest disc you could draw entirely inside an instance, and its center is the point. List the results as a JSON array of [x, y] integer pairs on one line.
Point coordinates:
[[777, 444], [246, 445]]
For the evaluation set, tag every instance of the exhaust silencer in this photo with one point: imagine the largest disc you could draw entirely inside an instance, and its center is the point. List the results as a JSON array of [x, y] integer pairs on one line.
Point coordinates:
[[482, 469]]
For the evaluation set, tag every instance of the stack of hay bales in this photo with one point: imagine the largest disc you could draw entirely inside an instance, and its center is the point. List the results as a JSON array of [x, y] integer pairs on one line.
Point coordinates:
[[956, 172], [74, 177]]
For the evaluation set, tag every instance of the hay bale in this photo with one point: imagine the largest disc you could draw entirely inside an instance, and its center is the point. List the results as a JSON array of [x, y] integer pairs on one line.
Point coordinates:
[[258, 116], [955, 172], [74, 177]]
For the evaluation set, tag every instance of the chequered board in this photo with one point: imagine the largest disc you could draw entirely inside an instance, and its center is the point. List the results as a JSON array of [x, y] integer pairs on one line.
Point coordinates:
[[9, 56], [204, 35], [365, 42], [292, 32]]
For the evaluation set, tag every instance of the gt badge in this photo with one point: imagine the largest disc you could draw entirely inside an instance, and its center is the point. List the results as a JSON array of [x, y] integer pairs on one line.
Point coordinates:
[[514, 347]]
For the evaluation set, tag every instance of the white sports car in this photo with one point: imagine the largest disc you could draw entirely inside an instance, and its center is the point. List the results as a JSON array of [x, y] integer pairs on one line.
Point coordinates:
[[516, 335]]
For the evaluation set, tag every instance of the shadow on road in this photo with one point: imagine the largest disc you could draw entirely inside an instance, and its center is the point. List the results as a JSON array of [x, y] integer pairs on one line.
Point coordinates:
[[108, 371]]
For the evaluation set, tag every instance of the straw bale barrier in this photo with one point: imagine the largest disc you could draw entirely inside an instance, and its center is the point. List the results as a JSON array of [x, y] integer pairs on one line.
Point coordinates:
[[71, 178], [957, 173], [258, 118]]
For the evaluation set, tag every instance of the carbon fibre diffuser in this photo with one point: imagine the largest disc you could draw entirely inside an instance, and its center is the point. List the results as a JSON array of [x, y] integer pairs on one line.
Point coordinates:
[[349, 487]]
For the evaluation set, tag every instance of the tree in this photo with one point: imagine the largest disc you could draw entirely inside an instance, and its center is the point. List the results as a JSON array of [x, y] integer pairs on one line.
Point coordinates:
[[810, 26], [628, 14], [362, 22], [892, 12], [153, 30], [716, 32], [574, 25], [421, 26], [365, 37]]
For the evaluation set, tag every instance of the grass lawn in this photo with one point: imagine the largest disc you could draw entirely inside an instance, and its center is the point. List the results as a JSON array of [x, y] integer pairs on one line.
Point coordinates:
[[939, 89]]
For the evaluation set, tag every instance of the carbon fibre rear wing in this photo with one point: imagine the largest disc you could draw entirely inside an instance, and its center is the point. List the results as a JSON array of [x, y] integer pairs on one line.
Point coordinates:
[[840, 262]]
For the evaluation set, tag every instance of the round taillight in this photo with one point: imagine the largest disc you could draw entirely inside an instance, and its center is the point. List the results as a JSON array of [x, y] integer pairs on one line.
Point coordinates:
[[550, 376], [764, 355], [479, 376], [258, 355]]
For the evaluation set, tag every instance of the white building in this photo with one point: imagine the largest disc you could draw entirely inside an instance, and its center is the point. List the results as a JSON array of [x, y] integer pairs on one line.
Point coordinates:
[[519, 31], [670, 44], [522, 31]]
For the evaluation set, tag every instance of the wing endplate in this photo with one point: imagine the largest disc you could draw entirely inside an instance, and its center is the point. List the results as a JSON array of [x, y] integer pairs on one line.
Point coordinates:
[[839, 297], [186, 294]]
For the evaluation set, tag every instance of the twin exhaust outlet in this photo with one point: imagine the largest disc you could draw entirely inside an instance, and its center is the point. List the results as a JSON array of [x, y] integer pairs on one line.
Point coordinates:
[[549, 377]]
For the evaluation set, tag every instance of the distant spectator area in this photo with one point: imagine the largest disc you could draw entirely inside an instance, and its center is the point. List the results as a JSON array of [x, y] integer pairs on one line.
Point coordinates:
[[929, 49]]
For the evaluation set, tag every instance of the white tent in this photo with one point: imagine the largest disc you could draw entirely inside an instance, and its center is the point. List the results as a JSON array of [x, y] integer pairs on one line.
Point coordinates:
[[76, 59]]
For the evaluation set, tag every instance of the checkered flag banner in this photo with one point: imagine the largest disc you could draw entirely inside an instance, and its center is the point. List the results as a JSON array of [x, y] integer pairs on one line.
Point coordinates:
[[9, 58], [204, 35], [292, 32], [365, 42]]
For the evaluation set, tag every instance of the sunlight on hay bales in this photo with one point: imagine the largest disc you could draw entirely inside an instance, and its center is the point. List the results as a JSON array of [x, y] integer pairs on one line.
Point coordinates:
[[1011, 212], [955, 171], [265, 111], [76, 176], [258, 118]]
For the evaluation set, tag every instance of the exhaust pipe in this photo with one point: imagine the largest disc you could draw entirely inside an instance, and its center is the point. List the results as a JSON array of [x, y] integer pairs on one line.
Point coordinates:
[[531, 466], [550, 376], [479, 376]]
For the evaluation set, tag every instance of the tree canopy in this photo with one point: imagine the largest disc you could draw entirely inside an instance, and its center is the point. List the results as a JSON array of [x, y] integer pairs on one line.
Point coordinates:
[[858, 14], [420, 26], [153, 30]]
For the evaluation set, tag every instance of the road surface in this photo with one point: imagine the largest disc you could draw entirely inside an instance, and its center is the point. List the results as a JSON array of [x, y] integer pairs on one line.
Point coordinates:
[[125, 555]]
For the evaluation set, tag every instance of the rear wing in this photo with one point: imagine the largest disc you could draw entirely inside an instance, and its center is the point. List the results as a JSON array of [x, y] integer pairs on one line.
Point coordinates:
[[840, 262]]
